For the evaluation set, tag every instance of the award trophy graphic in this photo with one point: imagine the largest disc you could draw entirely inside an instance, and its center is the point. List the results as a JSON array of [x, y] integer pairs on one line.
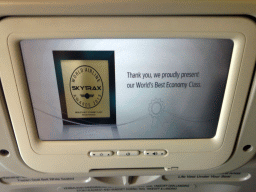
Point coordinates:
[[86, 85]]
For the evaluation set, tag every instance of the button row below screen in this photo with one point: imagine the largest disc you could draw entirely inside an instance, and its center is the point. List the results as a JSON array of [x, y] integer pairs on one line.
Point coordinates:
[[127, 153]]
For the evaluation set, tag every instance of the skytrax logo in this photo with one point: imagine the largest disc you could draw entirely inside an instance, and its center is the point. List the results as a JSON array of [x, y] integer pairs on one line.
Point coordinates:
[[86, 87]]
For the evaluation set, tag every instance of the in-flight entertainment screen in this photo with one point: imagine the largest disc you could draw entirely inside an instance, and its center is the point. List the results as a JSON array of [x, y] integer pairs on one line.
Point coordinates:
[[105, 89]]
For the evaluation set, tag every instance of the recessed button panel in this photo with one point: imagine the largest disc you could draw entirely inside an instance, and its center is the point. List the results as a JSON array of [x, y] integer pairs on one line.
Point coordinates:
[[128, 153], [101, 153], [155, 153]]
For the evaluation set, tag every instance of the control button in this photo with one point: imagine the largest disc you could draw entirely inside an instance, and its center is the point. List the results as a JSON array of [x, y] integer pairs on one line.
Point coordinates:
[[128, 153], [171, 169], [101, 153], [155, 153]]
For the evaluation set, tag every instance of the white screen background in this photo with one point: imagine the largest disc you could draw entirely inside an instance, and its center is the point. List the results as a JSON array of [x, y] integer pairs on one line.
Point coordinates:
[[141, 113]]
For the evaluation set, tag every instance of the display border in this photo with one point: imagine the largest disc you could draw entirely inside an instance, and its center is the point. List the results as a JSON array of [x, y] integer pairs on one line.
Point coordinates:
[[182, 154]]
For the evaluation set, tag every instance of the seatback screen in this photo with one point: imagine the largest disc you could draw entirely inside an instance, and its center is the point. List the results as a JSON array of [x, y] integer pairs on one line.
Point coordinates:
[[109, 89]]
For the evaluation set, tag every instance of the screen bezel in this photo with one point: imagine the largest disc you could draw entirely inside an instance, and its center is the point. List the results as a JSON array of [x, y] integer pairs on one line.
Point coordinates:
[[187, 154]]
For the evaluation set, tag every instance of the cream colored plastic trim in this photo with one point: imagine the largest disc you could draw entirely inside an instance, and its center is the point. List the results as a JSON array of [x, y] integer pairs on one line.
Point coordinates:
[[72, 156], [124, 7]]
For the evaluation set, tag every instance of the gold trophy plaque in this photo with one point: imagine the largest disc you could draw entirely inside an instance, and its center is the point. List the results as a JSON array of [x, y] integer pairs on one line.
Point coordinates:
[[86, 88]]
